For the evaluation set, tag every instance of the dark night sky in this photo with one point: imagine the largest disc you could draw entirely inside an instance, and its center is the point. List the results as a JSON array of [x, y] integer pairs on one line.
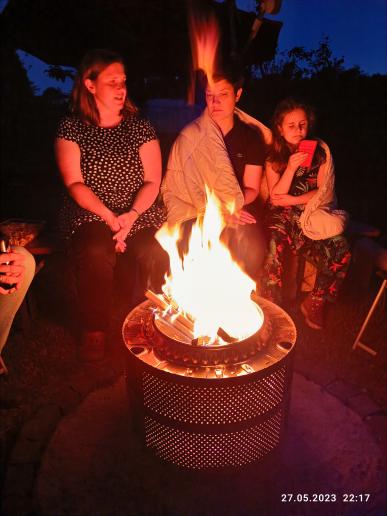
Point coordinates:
[[357, 32], [357, 29]]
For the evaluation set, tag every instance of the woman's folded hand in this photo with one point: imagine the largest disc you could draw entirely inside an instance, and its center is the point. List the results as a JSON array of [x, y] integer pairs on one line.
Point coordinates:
[[125, 221], [112, 221]]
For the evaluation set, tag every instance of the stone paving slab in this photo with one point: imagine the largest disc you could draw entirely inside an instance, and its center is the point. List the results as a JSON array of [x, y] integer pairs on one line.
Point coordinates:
[[94, 465], [363, 405]]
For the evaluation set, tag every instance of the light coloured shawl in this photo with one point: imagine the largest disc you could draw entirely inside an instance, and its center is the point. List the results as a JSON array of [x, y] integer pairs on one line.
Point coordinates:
[[199, 158], [320, 218]]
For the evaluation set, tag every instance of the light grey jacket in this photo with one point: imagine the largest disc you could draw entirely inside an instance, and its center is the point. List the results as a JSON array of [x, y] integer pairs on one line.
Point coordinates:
[[199, 158]]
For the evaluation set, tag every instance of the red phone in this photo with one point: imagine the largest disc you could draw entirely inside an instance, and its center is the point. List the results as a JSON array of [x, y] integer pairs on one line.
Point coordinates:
[[308, 146]]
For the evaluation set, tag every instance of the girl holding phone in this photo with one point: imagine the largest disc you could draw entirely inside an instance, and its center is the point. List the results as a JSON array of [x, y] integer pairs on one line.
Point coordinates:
[[301, 211]]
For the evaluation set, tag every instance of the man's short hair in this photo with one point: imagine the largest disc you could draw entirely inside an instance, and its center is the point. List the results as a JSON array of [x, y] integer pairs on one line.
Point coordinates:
[[232, 73]]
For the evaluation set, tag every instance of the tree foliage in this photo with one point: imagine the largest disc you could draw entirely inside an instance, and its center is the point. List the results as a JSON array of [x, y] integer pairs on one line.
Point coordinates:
[[60, 73], [299, 63]]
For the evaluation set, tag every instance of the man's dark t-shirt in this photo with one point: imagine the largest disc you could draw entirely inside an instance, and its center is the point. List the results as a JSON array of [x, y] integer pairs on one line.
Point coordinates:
[[245, 146]]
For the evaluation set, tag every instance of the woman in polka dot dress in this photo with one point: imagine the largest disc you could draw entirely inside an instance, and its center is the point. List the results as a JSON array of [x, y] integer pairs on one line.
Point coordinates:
[[110, 162]]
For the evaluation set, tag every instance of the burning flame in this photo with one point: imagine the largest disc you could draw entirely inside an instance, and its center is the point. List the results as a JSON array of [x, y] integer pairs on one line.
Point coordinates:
[[204, 35], [207, 285]]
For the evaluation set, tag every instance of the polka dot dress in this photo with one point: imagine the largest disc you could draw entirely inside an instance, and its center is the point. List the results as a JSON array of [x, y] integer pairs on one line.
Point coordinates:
[[111, 167]]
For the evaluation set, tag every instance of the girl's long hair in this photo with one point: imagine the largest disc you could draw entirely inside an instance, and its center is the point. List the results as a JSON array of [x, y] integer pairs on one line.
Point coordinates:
[[279, 150], [82, 101]]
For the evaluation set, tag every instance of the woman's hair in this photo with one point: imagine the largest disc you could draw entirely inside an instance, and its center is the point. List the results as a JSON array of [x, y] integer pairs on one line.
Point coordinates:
[[279, 150], [82, 101]]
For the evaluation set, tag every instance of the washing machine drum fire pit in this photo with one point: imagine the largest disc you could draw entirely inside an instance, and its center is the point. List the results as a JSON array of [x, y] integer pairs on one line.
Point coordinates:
[[209, 407]]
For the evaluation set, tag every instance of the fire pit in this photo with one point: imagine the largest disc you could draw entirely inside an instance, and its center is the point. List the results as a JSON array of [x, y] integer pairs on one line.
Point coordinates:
[[209, 367], [209, 406]]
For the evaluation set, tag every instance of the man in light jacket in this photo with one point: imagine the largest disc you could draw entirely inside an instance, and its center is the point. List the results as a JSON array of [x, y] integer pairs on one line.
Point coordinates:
[[224, 149]]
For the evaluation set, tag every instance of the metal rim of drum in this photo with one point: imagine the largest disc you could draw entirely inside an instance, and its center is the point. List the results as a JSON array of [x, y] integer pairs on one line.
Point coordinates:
[[173, 350]]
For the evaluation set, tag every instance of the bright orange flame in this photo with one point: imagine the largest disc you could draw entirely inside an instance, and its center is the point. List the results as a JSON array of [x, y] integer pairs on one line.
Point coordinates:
[[207, 284], [204, 35]]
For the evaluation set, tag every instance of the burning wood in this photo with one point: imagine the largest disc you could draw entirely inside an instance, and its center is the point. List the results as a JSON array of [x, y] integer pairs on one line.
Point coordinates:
[[180, 321]]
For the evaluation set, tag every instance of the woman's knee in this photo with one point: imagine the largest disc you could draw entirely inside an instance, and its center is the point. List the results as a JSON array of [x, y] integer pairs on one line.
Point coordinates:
[[98, 251], [93, 243], [339, 249]]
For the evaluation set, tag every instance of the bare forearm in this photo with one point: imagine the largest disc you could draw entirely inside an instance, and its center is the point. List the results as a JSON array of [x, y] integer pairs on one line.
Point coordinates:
[[87, 199], [284, 183], [146, 196], [306, 197], [250, 194]]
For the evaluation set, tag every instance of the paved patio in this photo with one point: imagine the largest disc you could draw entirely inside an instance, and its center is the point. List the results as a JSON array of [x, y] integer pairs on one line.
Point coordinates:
[[93, 464]]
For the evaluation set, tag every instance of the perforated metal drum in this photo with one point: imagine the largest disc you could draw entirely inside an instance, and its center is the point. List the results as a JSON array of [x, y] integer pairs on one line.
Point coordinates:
[[211, 417]]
